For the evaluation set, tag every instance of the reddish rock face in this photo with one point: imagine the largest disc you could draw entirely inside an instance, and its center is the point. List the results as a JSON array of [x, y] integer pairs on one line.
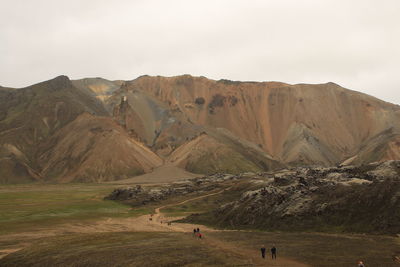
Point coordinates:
[[297, 124]]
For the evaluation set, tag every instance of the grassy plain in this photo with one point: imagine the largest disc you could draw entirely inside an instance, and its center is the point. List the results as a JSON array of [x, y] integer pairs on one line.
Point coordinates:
[[35, 207], [320, 249], [30, 206], [122, 249]]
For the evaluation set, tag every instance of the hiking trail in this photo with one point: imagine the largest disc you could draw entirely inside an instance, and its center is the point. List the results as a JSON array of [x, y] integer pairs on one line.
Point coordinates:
[[253, 255], [158, 223]]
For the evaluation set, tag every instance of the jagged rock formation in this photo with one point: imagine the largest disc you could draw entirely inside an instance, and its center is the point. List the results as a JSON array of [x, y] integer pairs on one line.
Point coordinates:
[[195, 123], [350, 199], [138, 196], [335, 199]]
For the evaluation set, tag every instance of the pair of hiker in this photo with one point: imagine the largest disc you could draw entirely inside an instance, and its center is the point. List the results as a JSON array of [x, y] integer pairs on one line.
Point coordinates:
[[196, 232], [273, 252]]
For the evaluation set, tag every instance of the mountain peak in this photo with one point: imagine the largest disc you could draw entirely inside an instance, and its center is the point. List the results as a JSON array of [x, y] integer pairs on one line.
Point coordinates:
[[60, 82]]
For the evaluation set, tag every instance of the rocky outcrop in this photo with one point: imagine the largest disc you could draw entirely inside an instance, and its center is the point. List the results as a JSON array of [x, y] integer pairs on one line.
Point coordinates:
[[354, 199], [137, 196], [362, 199], [125, 193]]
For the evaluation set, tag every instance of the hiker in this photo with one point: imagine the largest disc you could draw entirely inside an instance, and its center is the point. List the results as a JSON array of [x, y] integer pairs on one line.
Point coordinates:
[[263, 249], [198, 230], [273, 252], [200, 235], [361, 264], [194, 232]]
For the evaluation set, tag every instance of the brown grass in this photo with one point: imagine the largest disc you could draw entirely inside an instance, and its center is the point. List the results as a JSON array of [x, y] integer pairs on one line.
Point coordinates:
[[321, 249], [121, 249]]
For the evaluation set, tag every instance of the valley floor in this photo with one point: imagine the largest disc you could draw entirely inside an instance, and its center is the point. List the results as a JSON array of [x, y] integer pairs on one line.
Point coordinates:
[[116, 235]]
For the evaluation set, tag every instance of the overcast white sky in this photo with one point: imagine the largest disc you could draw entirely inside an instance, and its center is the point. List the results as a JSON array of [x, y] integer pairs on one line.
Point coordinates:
[[355, 43]]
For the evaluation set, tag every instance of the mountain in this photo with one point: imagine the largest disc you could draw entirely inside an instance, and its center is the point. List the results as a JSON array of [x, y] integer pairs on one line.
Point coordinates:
[[322, 124], [29, 116], [94, 129], [94, 149], [54, 131]]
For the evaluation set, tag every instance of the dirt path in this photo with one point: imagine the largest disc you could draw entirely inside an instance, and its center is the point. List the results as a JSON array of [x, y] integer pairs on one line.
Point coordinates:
[[181, 227], [5, 252], [157, 222], [253, 255]]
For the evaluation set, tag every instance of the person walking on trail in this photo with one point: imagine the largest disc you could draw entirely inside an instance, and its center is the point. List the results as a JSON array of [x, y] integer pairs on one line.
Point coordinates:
[[198, 230], [263, 249], [361, 264], [273, 252]]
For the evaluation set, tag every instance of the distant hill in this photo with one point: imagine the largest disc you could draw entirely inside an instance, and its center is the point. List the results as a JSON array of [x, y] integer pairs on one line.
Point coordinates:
[[96, 130]]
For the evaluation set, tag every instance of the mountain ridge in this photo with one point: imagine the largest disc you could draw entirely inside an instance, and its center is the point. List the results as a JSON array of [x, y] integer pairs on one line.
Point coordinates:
[[242, 126]]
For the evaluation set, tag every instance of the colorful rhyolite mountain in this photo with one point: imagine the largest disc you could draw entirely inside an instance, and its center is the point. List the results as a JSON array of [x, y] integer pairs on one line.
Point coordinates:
[[98, 130]]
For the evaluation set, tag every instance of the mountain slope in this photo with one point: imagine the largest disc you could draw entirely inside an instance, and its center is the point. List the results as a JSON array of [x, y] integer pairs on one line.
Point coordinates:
[[381, 147], [206, 155], [298, 124], [101, 88], [29, 116], [173, 136], [93, 149]]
